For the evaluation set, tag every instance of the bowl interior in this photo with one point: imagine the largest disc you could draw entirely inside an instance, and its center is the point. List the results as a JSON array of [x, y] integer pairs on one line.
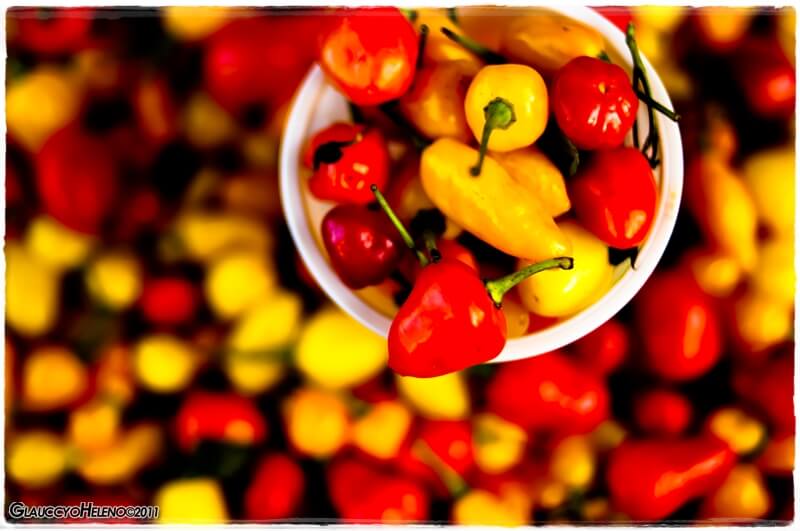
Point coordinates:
[[318, 104]]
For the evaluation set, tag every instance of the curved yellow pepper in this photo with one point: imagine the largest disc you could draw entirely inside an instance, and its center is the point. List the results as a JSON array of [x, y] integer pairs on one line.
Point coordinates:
[[382, 430], [438, 48], [561, 293], [191, 501], [135, 449], [499, 444], [237, 281], [36, 459], [547, 41], [32, 292], [493, 206], [532, 169], [443, 397], [487, 24]]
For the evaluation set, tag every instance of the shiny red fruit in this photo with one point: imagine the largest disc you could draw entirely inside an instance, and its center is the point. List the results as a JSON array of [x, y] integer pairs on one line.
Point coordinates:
[[276, 489], [662, 412], [604, 349], [169, 301]]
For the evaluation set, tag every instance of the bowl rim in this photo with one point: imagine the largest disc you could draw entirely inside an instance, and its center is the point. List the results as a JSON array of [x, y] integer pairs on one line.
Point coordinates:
[[551, 338]]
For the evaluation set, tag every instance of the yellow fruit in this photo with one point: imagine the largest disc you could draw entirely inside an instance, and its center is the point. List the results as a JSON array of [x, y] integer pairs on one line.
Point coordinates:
[[774, 277], [662, 18], [39, 104], [324, 358], [518, 318], [716, 273], [56, 245], [94, 426], [253, 374], [573, 462], [32, 292], [762, 322], [52, 378], [480, 507], [124, 459], [115, 280], [769, 175], [163, 363], [532, 169], [443, 397], [206, 236], [382, 430], [499, 444], [36, 459], [190, 23], [742, 432], [271, 324], [743, 495], [317, 422], [238, 281], [191, 501], [205, 123]]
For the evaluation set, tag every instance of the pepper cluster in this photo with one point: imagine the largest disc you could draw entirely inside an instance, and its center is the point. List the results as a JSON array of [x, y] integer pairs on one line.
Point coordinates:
[[164, 344]]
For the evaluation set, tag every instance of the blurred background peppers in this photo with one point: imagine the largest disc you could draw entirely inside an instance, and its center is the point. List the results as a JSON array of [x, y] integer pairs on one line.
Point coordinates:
[[164, 344]]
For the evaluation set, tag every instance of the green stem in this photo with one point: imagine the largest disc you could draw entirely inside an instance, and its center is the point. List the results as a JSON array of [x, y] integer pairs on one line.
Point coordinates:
[[499, 287], [499, 114], [423, 40], [475, 47], [640, 75], [430, 244], [672, 115], [409, 241]]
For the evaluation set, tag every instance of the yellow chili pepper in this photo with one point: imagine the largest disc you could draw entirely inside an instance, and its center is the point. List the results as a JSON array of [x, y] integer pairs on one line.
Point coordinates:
[[317, 422], [94, 426], [189, 23], [191, 501], [506, 108], [115, 279], [573, 462], [547, 41], [323, 358], [135, 449], [662, 18], [205, 236], [774, 276], [499, 444], [762, 322], [493, 206], [164, 364], [533, 170], [382, 430], [487, 24], [41, 103], [435, 103], [742, 432], [722, 204], [32, 292], [52, 378], [716, 273], [56, 245], [742, 496], [438, 48], [238, 281], [769, 175], [443, 397], [481, 507], [563, 293], [205, 123], [518, 318], [722, 26], [36, 459]]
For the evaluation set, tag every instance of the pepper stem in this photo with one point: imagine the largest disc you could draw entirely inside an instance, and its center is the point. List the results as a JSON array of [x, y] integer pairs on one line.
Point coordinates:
[[499, 114], [499, 287], [430, 245], [409, 241], [475, 47], [423, 40]]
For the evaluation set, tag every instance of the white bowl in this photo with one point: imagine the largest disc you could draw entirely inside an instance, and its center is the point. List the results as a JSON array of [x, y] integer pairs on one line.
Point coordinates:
[[317, 104]]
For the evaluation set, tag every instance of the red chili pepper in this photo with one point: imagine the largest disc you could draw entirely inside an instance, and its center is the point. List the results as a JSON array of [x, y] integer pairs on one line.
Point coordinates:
[[275, 491], [615, 196], [593, 102], [650, 479], [169, 300], [347, 159], [767, 77], [77, 179], [224, 417], [770, 388], [662, 412], [620, 16], [362, 494], [370, 54], [604, 349], [52, 30], [548, 393], [678, 325], [362, 244]]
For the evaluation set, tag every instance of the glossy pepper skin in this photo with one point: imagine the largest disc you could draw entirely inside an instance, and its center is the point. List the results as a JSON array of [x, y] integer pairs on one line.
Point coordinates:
[[225, 417], [276, 489], [593, 102], [767, 77], [447, 323], [369, 53], [168, 300], [662, 412], [650, 479], [346, 160], [604, 349], [493, 206], [548, 393], [615, 196], [679, 327], [532, 169], [362, 245]]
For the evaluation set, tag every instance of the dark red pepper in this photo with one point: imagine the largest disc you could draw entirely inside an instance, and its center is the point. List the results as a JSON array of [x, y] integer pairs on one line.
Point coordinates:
[[275, 491], [605, 348], [770, 388], [347, 159], [662, 412], [52, 30], [593, 102], [650, 479], [222, 417], [168, 300], [767, 77], [369, 53], [620, 16]]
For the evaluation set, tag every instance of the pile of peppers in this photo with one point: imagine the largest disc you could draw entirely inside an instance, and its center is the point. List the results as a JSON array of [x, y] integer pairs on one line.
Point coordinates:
[[166, 346]]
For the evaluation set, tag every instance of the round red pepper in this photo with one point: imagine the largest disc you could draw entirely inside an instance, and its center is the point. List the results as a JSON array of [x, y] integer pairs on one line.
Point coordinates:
[[548, 393], [605, 348], [678, 325], [275, 491], [169, 300], [662, 412], [347, 159], [52, 30], [593, 102], [77, 179], [370, 54], [223, 417], [767, 77], [615, 195]]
